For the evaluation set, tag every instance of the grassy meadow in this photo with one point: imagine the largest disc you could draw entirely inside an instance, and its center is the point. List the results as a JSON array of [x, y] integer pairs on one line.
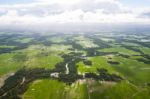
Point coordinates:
[[72, 56]]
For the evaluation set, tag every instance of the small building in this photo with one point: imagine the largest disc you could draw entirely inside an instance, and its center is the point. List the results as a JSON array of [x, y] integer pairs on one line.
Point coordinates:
[[55, 75]]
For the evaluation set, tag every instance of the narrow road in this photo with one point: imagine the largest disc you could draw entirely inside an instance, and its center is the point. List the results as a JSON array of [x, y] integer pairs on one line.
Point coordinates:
[[67, 69], [23, 80]]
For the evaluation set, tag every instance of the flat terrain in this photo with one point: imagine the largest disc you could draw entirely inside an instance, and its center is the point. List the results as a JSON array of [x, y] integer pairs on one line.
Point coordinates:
[[74, 66]]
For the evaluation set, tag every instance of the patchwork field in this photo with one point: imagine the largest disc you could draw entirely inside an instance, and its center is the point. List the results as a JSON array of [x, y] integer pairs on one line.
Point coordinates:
[[74, 66]]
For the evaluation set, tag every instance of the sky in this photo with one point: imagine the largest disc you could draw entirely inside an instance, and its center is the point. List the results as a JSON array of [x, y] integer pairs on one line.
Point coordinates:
[[50, 14]]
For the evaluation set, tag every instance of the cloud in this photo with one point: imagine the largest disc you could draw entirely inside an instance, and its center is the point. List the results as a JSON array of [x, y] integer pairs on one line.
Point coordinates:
[[145, 14], [45, 13]]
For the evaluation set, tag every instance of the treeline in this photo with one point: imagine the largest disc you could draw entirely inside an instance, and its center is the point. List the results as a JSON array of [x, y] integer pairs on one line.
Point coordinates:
[[18, 83], [103, 75]]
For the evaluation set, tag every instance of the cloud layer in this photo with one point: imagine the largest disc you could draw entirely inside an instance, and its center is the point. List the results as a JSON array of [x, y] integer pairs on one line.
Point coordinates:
[[45, 13]]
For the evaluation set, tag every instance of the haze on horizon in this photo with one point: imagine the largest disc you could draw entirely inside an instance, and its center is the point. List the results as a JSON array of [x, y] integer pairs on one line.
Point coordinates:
[[73, 15]]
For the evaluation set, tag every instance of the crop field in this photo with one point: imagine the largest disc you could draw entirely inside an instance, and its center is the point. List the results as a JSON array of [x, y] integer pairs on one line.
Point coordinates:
[[74, 66], [120, 50]]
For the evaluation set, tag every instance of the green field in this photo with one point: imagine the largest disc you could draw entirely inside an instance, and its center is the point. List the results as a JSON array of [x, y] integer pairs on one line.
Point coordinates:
[[120, 50], [9, 64], [24, 40], [74, 66], [123, 90], [84, 42], [135, 71], [97, 62], [89, 89], [52, 89], [145, 50]]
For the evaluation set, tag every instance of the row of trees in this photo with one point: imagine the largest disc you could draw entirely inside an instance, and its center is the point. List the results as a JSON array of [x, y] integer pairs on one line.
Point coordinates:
[[104, 76]]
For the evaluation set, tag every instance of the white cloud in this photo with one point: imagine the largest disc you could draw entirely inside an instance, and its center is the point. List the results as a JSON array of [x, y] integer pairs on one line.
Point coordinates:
[[45, 12]]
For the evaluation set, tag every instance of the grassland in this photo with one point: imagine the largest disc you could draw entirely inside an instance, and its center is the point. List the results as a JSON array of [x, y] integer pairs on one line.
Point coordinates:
[[122, 90], [24, 40], [130, 44], [40, 56], [9, 64], [97, 62], [108, 39], [32, 52], [56, 39], [145, 50], [120, 50], [52, 89], [138, 70], [84, 42], [45, 89], [6, 46], [47, 62], [36, 56], [84, 89]]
